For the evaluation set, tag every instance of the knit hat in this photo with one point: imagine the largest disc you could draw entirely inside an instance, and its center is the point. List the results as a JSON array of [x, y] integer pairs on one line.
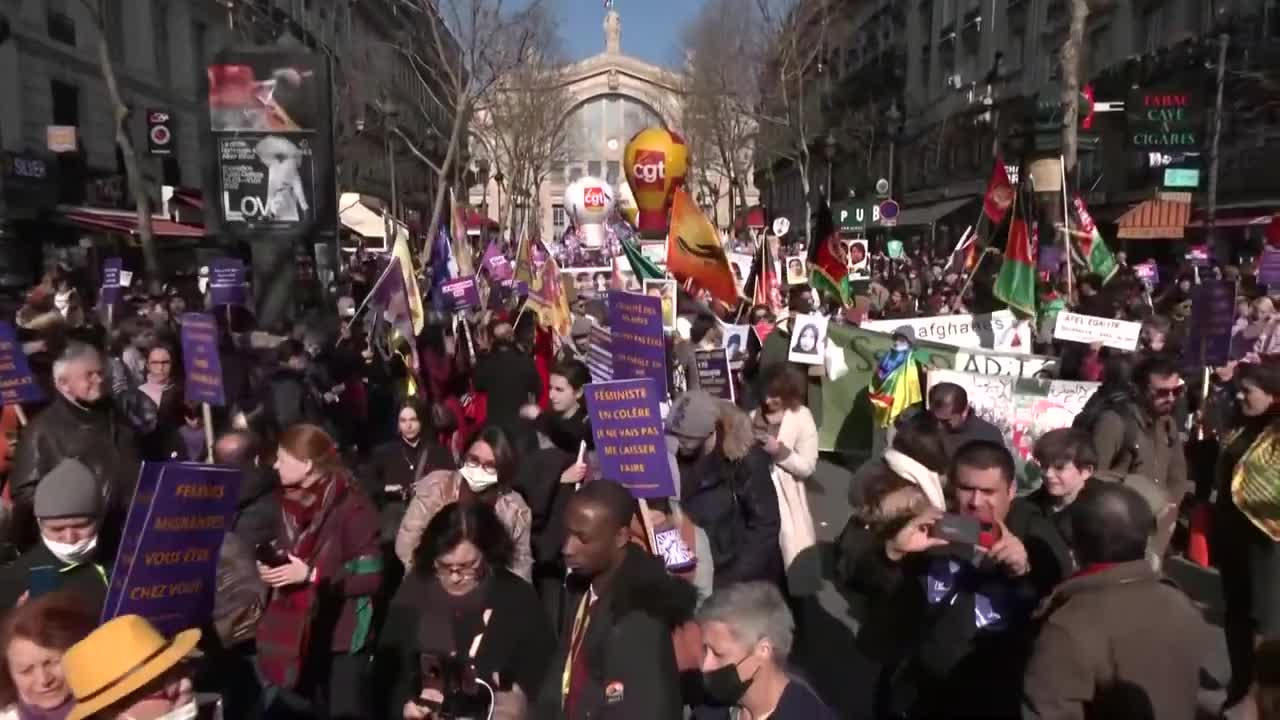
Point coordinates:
[[581, 327], [69, 490], [693, 415]]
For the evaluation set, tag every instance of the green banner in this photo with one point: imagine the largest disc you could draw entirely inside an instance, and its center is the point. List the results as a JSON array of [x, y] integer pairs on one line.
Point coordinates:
[[846, 424]]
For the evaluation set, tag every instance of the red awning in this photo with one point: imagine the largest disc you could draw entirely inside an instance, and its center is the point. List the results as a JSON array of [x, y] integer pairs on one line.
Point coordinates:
[[126, 222], [752, 217], [477, 220], [1155, 218], [190, 197]]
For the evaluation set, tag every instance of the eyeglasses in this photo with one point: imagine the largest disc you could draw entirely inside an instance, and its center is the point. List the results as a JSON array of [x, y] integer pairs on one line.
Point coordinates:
[[1167, 392], [474, 462], [468, 571]]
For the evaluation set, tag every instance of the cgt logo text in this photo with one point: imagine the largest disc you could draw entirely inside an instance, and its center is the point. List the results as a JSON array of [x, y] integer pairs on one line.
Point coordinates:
[[593, 197], [650, 169]]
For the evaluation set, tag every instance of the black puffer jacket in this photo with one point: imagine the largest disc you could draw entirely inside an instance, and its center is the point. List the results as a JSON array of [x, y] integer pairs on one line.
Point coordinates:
[[97, 436]]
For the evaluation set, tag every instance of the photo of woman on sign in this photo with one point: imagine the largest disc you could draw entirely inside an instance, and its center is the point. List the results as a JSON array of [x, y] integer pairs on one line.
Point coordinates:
[[808, 339]]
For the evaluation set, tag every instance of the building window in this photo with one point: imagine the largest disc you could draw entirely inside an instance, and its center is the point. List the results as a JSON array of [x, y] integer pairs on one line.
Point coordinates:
[[593, 168], [1151, 29], [615, 172], [66, 103], [558, 219], [61, 27]]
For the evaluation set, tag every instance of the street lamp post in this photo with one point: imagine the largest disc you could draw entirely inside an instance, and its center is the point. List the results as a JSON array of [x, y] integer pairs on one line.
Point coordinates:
[[830, 151], [894, 116], [499, 179]]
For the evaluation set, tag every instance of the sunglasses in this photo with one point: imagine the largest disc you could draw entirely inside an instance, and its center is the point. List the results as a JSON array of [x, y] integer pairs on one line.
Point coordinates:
[[1167, 392]]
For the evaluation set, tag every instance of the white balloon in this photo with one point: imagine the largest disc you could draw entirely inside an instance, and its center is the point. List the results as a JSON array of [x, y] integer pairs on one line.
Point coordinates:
[[589, 202]]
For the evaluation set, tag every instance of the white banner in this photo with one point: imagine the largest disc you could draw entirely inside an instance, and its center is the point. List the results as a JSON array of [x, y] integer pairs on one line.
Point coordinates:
[[994, 331], [1118, 334]]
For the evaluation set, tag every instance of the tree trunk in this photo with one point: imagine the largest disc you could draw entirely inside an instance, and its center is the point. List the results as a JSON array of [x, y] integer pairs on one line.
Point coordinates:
[[1071, 86], [437, 208], [120, 114]]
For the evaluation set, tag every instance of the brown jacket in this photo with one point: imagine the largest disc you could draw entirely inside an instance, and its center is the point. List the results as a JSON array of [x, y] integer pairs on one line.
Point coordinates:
[[1116, 643], [1145, 447]]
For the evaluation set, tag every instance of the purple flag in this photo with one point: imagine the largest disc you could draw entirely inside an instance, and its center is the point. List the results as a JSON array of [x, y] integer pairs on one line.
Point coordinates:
[[497, 265]]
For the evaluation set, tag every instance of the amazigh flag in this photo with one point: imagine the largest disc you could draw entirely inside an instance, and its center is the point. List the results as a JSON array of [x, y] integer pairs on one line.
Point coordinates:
[[895, 386], [999, 194], [828, 267], [1088, 248], [1016, 284], [694, 251]]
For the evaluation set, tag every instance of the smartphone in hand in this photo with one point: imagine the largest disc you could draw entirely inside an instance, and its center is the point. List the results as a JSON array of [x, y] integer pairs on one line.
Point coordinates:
[[270, 555], [42, 580], [956, 528]]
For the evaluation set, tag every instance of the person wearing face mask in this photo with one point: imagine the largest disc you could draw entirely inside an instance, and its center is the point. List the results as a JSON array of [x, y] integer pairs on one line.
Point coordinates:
[[68, 511], [747, 631], [487, 473], [33, 639], [316, 632], [127, 670], [461, 590], [82, 423]]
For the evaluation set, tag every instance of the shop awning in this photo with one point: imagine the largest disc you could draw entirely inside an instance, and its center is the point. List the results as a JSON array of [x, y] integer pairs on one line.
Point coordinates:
[[125, 222], [930, 214], [1155, 219], [366, 222]]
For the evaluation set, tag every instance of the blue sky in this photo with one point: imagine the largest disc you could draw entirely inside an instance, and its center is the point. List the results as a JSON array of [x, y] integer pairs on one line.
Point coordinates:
[[650, 28]]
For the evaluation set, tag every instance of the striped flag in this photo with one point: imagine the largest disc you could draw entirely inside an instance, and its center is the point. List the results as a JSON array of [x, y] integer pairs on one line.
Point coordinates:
[[599, 354]]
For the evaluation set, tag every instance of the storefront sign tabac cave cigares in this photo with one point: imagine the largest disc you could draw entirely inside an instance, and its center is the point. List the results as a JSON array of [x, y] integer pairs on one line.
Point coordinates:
[[1161, 118]]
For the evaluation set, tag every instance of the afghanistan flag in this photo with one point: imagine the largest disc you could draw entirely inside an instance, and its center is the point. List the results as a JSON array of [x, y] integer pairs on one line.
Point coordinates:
[[828, 266], [1016, 284], [641, 266], [999, 195], [1088, 248]]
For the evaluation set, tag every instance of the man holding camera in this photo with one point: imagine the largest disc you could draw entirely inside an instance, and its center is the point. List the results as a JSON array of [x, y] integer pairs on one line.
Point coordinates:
[[952, 595]]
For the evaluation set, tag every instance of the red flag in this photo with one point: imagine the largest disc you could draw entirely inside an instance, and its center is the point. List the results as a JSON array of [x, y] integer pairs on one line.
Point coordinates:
[[999, 193]]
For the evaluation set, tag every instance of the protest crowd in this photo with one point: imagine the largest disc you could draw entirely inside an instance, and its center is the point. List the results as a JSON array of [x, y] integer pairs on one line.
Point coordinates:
[[469, 488]]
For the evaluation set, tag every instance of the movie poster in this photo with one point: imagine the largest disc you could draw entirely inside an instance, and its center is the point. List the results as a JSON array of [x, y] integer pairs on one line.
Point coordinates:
[[272, 144]]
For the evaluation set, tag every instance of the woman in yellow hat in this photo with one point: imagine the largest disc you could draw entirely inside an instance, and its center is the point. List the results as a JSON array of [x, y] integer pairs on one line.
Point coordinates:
[[127, 670]]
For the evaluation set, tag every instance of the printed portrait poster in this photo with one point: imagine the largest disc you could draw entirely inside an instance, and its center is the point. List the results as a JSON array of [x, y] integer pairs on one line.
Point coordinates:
[[796, 274], [808, 339], [859, 260], [269, 117], [735, 341], [587, 282], [664, 290]]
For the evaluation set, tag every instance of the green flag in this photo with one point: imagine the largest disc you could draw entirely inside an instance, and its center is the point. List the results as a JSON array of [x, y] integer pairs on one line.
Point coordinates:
[[1016, 284], [643, 267], [1087, 245]]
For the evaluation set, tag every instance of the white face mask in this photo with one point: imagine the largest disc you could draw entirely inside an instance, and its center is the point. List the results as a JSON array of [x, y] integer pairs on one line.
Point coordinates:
[[479, 480], [72, 553], [185, 712], [901, 346], [62, 301]]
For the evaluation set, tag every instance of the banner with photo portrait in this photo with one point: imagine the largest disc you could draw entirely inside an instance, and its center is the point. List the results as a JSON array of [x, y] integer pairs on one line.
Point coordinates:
[[808, 339], [271, 136]]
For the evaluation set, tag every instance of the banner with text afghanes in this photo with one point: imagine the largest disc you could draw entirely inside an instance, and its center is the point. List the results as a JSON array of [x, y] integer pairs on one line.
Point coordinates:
[[639, 347], [626, 423], [851, 358], [200, 360], [1023, 408], [17, 384], [999, 331], [168, 573]]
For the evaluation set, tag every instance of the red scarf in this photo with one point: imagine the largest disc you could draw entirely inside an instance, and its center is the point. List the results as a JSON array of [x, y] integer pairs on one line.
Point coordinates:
[[284, 632]]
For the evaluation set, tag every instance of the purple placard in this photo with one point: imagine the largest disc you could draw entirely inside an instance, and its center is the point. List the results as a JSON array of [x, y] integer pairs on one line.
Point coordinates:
[[200, 359], [714, 375], [112, 290], [1269, 267], [626, 423], [17, 384], [227, 282], [1198, 255], [461, 294], [169, 576], [1213, 310], [1149, 273], [639, 346], [134, 522], [1050, 258], [494, 263]]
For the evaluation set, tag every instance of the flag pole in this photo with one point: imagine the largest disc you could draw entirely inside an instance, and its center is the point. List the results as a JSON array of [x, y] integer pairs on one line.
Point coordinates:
[[1066, 227], [376, 285], [977, 265]]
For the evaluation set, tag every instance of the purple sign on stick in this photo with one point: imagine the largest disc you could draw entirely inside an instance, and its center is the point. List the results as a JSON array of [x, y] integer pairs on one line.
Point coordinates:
[[461, 294], [626, 423], [639, 345], [200, 359], [1213, 310], [17, 384], [112, 290], [227, 282], [1269, 267], [494, 263], [169, 573]]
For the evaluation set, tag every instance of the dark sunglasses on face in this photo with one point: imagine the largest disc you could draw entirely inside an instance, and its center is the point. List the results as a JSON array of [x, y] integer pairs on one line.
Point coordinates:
[[1167, 392]]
